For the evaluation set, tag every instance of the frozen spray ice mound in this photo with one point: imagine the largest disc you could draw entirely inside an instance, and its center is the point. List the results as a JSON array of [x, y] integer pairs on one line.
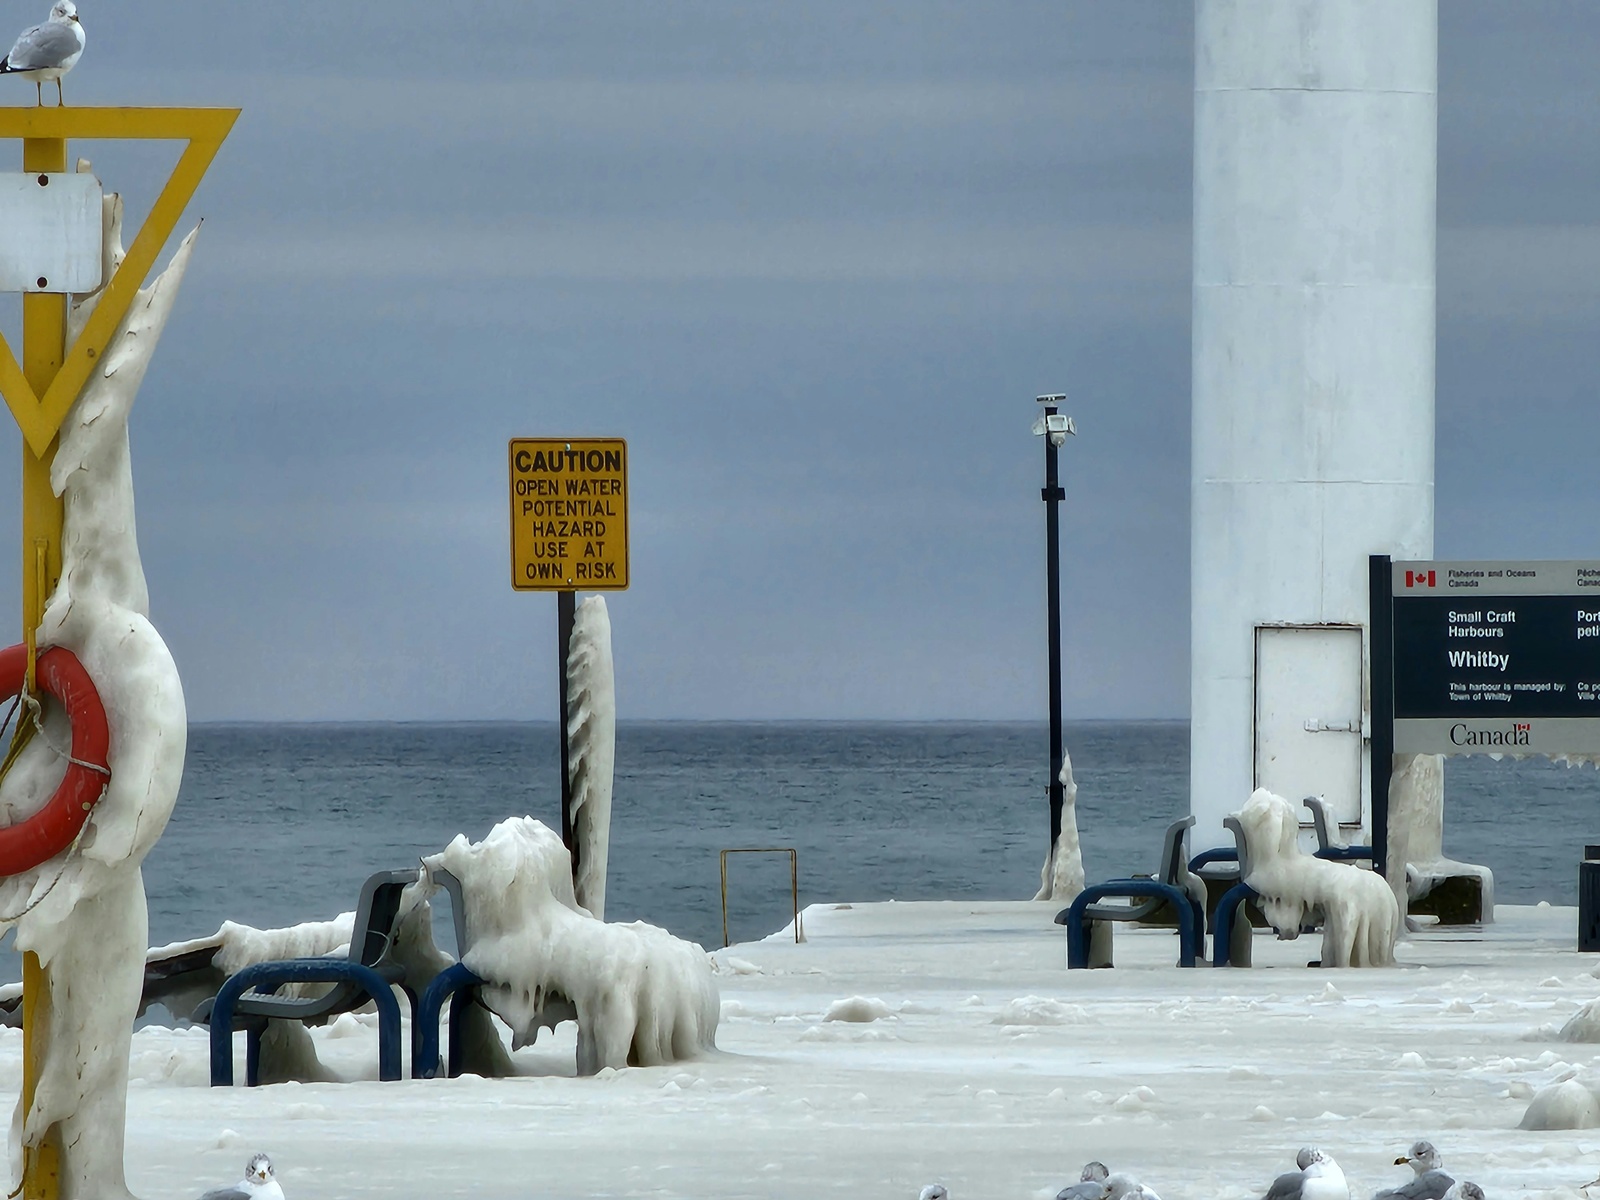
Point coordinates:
[[1583, 1025], [643, 997], [240, 946], [857, 1009], [1565, 1105], [1041, 1010]]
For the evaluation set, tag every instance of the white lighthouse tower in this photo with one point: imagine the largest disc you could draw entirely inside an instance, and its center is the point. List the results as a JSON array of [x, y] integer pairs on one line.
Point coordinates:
[[1314, 222]]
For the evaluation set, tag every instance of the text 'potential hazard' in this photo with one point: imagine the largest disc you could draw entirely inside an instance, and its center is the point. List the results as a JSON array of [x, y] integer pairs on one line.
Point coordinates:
[[569, 514]]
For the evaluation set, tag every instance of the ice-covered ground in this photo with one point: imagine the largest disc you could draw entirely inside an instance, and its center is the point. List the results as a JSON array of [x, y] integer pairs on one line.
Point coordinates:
[[973, 1058]]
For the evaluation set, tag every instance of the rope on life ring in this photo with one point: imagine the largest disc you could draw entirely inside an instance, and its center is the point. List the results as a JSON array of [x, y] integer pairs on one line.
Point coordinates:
[[54, 827]]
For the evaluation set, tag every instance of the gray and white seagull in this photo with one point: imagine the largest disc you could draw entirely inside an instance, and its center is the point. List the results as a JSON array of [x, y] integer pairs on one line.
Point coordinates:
[[258, 1183], [1431, 1181], [1318, 1178], [48, 51], [1091, 1184]]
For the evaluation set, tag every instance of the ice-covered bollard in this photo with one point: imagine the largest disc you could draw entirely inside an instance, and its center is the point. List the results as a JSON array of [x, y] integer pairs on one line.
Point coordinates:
[[1360, 919]]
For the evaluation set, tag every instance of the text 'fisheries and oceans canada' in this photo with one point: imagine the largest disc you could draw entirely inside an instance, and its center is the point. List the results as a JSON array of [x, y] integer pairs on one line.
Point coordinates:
[[1470, 577]]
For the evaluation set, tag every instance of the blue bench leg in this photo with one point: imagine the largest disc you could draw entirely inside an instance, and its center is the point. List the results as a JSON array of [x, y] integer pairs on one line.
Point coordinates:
[[252, 1054], [456, 981], [459, 1003], [1186, 932], [1222, 923], [222, 1044], [1077, 936]]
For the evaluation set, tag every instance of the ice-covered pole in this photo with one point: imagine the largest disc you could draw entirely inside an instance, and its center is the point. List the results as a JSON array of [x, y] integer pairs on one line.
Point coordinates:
[[1053, 427], [1061, 879], [44, 335], [83, 912], [81, 365], [591, 717]]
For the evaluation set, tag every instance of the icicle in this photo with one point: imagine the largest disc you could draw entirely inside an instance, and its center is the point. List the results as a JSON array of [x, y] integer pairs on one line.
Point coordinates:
[[592, 742], [1062, 876]]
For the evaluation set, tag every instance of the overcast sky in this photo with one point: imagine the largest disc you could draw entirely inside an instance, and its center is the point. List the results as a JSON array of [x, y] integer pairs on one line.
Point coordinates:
[[814, 262]]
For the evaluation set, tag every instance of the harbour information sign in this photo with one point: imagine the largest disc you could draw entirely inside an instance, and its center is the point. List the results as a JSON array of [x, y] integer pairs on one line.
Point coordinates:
[[569, 514], [1496, 657]]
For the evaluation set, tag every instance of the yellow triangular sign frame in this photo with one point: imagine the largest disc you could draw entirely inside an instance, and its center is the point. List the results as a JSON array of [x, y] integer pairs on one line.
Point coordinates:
[[203, 129]]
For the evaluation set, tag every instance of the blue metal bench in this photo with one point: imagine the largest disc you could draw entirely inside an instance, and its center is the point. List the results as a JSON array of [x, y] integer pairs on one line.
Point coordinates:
[[1326, 847], [1171, 888], [367, 973], [456, 981]]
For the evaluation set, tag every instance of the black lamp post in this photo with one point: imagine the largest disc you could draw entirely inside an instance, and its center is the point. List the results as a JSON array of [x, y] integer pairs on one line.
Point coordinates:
[[1054, 428]]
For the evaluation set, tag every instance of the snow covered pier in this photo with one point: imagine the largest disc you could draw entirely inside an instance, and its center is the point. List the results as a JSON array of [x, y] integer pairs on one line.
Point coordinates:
[[961, 1050]]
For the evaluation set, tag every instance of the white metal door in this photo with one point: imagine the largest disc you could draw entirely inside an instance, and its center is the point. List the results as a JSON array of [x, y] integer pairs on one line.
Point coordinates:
[[1308, 715]]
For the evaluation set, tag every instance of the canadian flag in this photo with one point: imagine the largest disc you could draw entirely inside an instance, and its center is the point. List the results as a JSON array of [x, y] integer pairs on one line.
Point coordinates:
[[1420, 578]]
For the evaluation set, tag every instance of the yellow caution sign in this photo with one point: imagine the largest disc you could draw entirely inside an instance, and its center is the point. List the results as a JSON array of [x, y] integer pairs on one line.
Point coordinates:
[[569, 514]]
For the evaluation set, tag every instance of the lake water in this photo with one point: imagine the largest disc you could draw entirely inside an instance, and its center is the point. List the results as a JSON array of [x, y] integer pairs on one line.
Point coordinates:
[[281, 823]]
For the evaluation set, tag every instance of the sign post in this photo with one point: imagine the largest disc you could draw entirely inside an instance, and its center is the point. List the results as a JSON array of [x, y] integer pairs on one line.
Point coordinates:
[[1482, 658], [569, 532], [41, 389], [1380, 755]]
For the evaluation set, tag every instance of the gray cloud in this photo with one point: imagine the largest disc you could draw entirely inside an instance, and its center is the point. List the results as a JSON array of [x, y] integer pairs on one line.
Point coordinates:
[[814, 261]]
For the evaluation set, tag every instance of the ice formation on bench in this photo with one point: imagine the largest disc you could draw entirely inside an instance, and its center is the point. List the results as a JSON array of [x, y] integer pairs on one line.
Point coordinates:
[[643, 997], [1360, 919], [83, 912], [287, 1050]]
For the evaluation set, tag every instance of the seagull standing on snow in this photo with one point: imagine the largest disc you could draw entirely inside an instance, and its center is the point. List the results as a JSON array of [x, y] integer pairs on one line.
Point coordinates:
[[1319, 1178], [1431, 1182], [258, 1183], [48, 51]]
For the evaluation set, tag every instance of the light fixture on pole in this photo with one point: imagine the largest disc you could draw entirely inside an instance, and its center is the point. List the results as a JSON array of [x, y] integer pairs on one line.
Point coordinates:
[[1054, 428]]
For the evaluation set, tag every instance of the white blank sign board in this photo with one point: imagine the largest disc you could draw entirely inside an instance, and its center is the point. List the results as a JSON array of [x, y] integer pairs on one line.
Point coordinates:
[[50, 232]]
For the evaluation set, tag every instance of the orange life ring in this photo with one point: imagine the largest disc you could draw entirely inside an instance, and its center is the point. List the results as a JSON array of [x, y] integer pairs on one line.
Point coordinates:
[[49, 831]]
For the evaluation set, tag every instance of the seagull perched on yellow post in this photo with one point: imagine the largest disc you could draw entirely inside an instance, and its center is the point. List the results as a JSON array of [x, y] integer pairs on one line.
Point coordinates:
[[48, 51]]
